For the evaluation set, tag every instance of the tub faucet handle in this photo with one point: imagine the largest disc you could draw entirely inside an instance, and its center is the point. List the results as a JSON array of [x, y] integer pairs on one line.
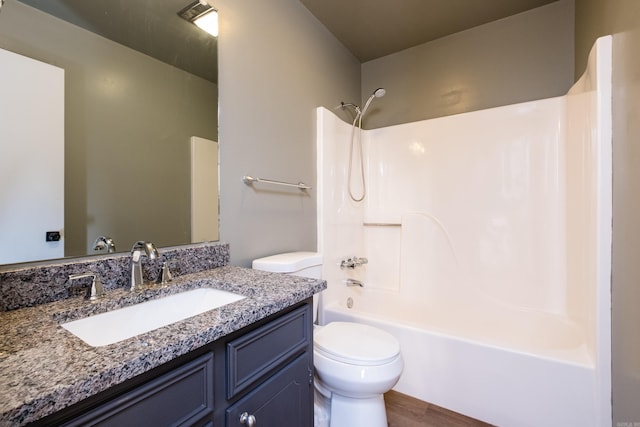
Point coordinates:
[[360, 261], [353, 262]]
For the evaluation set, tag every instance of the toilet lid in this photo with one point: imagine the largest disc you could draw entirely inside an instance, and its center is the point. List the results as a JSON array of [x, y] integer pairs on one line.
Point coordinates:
[[356, 343]]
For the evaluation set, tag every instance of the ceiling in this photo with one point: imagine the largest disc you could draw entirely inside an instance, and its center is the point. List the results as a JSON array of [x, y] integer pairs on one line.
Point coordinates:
[[371, 29], [368, 28]]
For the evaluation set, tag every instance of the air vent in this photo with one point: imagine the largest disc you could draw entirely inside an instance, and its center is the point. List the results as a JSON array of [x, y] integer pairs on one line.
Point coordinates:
[[194, 10]]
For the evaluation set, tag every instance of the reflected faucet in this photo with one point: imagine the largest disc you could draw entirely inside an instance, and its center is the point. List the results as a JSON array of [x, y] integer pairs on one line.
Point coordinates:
[[104, 242], [139, 250]]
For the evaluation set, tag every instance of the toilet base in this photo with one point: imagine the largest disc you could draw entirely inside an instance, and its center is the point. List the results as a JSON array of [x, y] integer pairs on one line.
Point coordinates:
[[321, 407], [351, 412]]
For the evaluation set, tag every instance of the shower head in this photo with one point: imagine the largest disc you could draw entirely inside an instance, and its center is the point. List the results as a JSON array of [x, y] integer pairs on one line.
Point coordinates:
[[378, 93]]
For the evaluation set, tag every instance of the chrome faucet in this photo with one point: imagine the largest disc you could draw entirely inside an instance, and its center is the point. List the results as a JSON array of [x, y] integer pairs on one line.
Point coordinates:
[[353, 262], [354, 282], [104, 242], [139, 250]]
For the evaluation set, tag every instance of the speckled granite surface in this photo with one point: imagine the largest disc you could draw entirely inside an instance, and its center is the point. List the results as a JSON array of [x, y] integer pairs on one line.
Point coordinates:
[[44, 368], [39, 284]]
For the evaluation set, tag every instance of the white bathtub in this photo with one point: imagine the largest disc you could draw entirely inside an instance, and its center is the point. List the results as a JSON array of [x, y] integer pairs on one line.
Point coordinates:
[[501, 365]]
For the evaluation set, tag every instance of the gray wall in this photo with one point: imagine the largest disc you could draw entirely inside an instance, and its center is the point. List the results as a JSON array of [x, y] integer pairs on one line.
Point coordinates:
[[521, 58], [277, 64], [128, 120], [622, 19]]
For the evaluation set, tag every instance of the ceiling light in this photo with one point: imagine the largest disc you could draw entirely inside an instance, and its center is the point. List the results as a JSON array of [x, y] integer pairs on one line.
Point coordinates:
[[203, 15]]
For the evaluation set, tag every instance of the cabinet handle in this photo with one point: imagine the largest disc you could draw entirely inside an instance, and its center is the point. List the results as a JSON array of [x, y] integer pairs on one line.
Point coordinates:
[[247, 419]]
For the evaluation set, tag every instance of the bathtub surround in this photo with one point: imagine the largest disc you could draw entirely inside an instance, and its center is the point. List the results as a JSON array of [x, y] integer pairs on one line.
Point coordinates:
[[488, 236], [621, 18], [63, 370], [47, 282]]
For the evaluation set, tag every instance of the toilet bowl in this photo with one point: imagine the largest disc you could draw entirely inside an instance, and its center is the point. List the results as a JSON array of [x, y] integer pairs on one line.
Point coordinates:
[[355, 364]]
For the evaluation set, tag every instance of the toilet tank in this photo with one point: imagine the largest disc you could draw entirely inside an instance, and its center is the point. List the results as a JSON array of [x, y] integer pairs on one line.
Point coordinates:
[[305, 264]]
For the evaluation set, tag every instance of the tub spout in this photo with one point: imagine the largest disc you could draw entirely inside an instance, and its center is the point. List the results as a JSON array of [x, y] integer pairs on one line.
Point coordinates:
[[354, 282]]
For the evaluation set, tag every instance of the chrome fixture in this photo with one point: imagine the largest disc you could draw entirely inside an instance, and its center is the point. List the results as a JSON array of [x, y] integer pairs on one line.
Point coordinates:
[[165, 275], [344, 105], [96, 290], [202, 15], [139, 250], [378, 93], [104, 242], [250, 180], [248, 420], [353, 262], [353, 282]]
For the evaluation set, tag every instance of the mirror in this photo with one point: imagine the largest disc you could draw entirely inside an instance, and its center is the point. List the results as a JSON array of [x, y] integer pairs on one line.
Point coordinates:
[[139, 83]]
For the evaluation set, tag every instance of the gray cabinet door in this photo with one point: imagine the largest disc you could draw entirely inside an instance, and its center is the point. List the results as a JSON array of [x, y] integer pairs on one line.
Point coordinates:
[[283, 400]]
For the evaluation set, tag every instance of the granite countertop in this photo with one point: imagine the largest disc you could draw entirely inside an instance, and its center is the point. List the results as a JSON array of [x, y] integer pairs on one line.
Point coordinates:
[[44, 368]]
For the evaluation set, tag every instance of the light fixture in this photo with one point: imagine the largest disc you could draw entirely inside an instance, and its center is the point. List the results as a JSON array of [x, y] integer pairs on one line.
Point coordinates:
[[202, 15]]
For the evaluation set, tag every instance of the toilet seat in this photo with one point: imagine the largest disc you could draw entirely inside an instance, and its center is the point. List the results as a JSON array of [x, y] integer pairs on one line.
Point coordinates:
[[356, 344]]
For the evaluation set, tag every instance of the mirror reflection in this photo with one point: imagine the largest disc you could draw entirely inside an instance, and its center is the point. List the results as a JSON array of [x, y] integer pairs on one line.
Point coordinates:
[[130, 119]]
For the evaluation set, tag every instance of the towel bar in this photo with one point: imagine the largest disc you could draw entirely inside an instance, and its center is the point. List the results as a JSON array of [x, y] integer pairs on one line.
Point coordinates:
[[250, 180]]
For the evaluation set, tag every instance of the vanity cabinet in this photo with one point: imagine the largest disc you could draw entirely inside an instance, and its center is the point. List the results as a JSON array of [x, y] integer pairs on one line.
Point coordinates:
[[261, 375]]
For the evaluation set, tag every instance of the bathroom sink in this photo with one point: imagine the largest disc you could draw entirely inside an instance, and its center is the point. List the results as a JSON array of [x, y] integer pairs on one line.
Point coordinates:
[[117, 325]]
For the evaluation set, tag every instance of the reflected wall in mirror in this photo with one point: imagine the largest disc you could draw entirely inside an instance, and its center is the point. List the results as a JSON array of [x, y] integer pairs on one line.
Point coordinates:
[[129, 117]]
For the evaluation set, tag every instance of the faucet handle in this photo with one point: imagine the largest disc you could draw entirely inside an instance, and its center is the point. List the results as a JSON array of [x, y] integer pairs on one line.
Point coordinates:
[[96, 290], [360, 261], [353, 262], [165, 275]]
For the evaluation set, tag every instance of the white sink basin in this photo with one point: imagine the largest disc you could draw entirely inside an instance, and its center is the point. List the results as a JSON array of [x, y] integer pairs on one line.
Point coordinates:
[[117, 325]]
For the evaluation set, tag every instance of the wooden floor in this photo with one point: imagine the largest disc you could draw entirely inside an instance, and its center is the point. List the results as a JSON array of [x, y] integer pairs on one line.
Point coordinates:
[[405, 411]]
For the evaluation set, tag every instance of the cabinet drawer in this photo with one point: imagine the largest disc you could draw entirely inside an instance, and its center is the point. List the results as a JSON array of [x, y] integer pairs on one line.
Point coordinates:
[[181, 397], [259, 353]]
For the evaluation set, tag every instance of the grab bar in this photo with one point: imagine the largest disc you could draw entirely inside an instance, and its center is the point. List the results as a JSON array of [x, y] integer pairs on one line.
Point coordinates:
[[250, 180]]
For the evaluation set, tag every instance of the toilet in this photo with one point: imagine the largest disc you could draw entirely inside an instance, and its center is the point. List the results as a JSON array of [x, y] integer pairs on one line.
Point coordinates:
[[355, 364]]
